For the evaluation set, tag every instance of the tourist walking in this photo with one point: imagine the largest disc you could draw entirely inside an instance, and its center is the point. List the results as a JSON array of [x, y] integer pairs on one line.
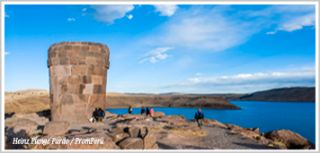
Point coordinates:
[[94, 116], [130, 109], [147, 111], [143, 110], [199, 116], [101, 114], [151, 112]]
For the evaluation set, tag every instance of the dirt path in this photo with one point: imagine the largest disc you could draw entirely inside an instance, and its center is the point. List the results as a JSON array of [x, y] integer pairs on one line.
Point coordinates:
[[216, 138]]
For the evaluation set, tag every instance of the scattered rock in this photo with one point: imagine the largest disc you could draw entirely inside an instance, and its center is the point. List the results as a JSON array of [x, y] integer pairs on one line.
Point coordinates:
[[131, 143], [34, 117], [256, 130], [140, 132], [116, 137], [291, 139], [10, 135], [56, 128], [149, 141], [133, 131], [158, 114], [19, 124], [214, 123]]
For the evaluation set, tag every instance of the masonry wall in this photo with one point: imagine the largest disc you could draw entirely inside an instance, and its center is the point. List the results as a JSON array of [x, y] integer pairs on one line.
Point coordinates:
[[78, 72]]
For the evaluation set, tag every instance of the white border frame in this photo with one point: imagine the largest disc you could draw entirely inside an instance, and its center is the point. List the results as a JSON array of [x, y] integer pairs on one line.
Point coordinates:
[[5, 2]]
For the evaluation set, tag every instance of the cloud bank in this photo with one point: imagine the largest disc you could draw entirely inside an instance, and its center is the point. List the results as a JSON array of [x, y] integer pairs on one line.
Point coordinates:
[[245, 82]]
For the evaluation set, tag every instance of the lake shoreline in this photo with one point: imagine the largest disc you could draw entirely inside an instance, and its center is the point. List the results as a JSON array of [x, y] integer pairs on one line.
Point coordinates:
[[161, 132], [268, 112]]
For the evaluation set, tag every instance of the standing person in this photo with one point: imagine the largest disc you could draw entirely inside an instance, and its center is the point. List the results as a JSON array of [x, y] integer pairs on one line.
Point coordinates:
[[143, 110], [151, 112], [130, 109], [101, 114], [199, 116], [147, 111], [94, 116]]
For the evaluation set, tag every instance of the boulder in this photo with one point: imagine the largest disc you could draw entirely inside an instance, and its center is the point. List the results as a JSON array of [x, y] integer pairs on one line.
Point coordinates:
[[10, 135], [149, 141], [291, 139], [214, 123], [158, 114], [131, 143], [256, 130], [29, 126], [133, 131], [56, 128], [116, 137], [34, 117]]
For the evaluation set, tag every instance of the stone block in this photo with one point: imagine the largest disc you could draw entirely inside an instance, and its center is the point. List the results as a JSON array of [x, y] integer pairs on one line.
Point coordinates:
[[78, 70], [88, 89], [149, 141], [97, 79], [56, 128], [97, 89], [87, 80], [131, 143]]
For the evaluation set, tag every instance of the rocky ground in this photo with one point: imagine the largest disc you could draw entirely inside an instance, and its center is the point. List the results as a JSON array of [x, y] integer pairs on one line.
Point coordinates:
[[141, 132]]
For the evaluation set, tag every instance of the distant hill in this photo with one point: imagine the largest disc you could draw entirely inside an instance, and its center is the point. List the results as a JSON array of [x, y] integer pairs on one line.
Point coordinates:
[[294, 94]]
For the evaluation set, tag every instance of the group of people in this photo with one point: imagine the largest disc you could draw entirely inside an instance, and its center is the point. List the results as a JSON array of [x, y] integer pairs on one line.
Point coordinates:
[[147, 111], [99, 114], [144, 111]]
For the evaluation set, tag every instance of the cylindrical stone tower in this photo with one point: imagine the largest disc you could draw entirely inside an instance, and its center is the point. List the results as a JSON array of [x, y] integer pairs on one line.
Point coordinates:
[[78, 73]]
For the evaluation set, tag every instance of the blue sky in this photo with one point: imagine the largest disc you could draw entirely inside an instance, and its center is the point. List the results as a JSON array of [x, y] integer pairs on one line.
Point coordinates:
[[169, 48]]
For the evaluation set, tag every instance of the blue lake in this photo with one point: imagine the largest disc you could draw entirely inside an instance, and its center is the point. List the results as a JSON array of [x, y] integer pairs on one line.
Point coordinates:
[[296, 116]]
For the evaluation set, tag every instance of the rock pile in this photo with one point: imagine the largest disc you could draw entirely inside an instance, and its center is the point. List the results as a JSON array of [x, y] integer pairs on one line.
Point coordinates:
[[142, 132]]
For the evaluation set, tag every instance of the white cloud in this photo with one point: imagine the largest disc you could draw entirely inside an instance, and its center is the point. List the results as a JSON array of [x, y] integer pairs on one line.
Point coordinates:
[[200, 28], [110, 13], [287, 18], [71, 19], [156, 55], [248, 82], [297, 23], [220, 28], [6, 53], [130, 16], [166, 10]]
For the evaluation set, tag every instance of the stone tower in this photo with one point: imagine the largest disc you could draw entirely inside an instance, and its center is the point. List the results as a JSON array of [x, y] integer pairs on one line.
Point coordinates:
[[78, 73]]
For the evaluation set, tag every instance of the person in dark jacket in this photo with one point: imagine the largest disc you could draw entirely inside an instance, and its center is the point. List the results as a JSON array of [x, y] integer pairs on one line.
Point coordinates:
[[199, 116], [95, 115], [143, 110], [101, 114], [130, 109], [147, 111]]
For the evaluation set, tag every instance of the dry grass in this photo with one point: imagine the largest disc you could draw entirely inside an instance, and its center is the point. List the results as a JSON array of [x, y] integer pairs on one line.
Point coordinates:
[[28, 105]]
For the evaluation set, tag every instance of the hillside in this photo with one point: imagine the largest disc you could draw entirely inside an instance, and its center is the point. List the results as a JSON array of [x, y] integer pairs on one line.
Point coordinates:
[[30, 101], [180, 100], [293, 94]]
